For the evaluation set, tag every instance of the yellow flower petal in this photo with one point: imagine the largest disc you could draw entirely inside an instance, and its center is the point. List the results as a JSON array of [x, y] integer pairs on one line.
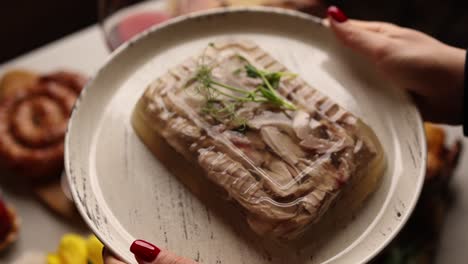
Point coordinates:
[[53, 259], [72, 250], [94, 250]]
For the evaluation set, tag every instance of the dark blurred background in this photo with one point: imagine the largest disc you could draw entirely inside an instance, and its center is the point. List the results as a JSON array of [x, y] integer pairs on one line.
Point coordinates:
[[26, 24], [446, 20]]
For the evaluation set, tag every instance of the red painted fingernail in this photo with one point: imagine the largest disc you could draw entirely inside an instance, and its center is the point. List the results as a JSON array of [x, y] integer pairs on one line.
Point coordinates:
[[336, 13], [144, 250]]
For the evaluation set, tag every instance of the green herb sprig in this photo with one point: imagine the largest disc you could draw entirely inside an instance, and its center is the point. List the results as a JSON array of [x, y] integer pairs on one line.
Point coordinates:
[[225, 108], [269, 86]]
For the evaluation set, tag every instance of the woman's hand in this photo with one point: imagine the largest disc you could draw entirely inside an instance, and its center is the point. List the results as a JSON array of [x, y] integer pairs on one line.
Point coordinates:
[[147, 253], [430, 70]]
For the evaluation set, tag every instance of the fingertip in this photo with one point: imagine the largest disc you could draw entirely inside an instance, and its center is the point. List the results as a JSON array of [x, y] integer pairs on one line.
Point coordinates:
[[339, 26], [336, 15], [334, 25], [144, 251], [161, 258], [340, 29]]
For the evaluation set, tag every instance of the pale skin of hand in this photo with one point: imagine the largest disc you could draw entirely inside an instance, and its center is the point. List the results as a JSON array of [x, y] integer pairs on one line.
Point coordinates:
[[164, 257], [430, 70]]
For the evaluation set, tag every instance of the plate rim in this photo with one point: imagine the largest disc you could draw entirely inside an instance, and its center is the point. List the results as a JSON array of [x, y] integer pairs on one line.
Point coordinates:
[[216, 12]]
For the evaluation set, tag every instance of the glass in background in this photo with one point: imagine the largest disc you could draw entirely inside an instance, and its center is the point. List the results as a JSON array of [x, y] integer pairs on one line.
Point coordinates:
[[120, 20]]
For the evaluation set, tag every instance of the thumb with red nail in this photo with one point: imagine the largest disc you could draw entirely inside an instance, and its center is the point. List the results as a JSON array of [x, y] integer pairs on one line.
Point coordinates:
[[147, 253]]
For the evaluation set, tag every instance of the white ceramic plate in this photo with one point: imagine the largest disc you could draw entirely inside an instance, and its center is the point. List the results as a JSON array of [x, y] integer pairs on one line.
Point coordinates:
[[124, 193]]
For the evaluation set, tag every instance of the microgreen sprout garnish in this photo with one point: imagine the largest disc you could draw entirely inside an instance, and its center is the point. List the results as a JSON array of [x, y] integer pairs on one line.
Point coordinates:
[[223, 100], [269, 86]]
